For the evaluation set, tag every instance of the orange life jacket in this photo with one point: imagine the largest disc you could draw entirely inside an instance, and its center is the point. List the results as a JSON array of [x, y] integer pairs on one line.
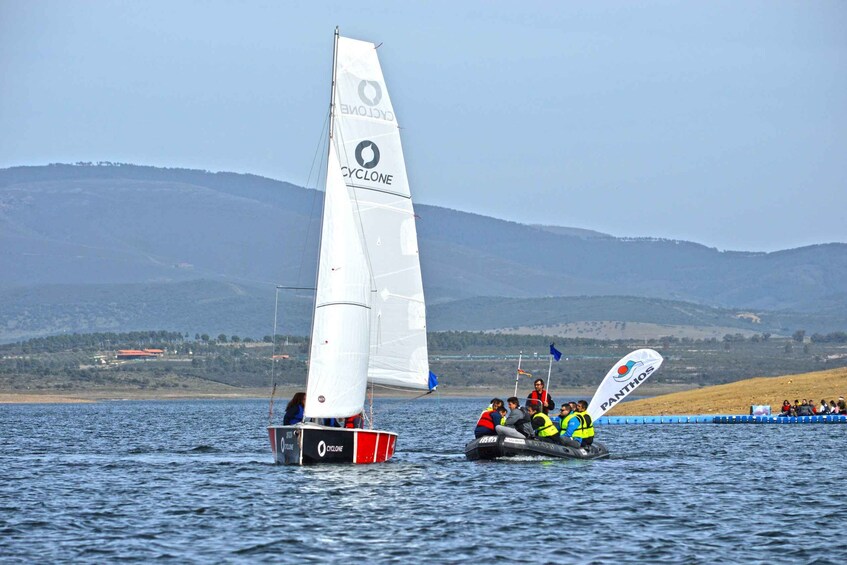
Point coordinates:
[[486, 419]]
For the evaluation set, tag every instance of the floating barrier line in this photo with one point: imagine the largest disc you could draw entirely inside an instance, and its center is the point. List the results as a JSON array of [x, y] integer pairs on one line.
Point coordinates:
[[721, 419]]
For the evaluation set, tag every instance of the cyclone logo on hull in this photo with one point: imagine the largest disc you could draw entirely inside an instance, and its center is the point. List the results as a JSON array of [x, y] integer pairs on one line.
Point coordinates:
[[625, 372]]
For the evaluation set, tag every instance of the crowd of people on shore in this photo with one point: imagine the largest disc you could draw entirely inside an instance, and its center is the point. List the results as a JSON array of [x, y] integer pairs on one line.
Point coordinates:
[[810, 408], [573, 426]]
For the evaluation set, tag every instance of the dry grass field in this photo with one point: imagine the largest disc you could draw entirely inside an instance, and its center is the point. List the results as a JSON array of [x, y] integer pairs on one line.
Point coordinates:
[[220, 393], [626, 331], [737, 397]]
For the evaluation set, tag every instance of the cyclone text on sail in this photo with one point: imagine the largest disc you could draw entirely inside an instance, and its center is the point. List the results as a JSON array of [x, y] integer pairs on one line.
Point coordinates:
[[372, 176], [366, 112], [367, 155]]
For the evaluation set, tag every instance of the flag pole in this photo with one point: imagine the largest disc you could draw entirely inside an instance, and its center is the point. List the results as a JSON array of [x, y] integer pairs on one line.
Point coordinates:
[[554, 354], [549, 370], [518, 372]]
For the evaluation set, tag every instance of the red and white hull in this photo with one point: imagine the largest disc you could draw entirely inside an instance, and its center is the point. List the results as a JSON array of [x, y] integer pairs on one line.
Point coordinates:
[[307, 444]]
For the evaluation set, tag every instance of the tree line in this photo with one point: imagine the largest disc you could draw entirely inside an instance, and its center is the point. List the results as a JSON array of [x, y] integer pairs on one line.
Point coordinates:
[[439, 342]]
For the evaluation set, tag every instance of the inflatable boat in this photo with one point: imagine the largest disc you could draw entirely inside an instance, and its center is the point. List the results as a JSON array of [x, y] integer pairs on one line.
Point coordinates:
[[494, 447]]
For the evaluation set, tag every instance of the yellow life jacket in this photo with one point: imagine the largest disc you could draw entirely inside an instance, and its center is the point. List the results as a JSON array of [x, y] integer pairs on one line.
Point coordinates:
[[586, 426], [566, 421], [547, 428]]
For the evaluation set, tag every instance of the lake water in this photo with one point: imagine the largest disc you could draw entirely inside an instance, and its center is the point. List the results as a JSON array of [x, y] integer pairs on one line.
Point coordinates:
[[193, 482]]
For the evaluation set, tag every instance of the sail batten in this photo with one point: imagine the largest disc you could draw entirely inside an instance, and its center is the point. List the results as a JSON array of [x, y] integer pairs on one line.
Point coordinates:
[[372, 189], [343, 302]]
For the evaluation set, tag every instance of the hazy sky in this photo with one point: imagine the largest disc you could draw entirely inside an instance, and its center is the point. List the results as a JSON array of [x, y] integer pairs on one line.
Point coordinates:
[[723, 123]]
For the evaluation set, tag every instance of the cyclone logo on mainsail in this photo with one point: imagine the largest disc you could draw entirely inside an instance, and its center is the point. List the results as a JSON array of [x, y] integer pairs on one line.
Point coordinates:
[[624, 372], [367, 154], [370, 96]]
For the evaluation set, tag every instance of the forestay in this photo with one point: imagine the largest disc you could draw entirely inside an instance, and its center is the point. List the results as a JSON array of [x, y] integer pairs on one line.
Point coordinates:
[[338, 360], [368, 142]]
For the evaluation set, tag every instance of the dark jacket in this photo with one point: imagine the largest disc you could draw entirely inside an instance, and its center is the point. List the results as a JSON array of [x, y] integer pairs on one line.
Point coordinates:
[[293, 415], [805, 410], [519, 420]]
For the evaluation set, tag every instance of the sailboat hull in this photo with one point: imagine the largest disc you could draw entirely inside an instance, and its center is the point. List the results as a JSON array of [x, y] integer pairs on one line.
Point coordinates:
[[309, 444]]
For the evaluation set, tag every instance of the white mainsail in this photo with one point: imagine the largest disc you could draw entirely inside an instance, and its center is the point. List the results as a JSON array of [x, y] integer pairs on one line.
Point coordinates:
[[338, 360], [368, 143]]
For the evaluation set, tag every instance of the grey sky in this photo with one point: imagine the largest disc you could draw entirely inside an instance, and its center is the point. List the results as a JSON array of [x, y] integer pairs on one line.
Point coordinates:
[[717, 122]]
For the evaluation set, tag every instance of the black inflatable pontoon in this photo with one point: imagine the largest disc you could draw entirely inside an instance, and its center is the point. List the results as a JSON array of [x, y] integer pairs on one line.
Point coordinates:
[[492, 447]]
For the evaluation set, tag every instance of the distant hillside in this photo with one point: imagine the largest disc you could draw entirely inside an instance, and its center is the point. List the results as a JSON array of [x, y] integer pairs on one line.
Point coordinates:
[[576, 232], [134, 225], [194, 307], [214, 307], [508, 314]]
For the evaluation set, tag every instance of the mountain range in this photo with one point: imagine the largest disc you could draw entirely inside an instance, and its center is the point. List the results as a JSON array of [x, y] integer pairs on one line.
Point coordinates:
[[92, 247]]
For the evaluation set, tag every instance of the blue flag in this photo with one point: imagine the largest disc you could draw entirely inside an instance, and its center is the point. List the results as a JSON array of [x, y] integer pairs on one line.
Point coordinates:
[[433, 380], [555, 352]]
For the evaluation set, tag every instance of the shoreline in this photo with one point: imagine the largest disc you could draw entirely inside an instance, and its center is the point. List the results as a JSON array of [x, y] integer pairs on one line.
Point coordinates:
[[652, 400], [284, 393]]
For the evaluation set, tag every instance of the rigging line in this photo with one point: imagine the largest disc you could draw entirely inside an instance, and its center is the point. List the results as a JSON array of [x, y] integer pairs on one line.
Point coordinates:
[[318, 155], [371, 408], [358, 211], [273, 360], [329, 127], [271, 406], [317, 158]]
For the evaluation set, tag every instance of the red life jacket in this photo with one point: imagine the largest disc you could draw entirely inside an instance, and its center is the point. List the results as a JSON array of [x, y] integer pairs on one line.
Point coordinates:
[[534, 396], [353, 421], [486, 420]]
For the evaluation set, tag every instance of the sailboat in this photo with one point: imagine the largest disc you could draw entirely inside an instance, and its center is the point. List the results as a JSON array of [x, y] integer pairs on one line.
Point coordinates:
[[369, 322]]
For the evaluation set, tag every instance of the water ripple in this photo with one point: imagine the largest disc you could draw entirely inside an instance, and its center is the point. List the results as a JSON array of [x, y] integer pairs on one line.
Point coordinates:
[[193, 482]]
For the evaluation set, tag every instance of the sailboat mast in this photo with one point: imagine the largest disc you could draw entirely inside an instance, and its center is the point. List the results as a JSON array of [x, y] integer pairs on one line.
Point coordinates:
[[320, 228], [332, 88]]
